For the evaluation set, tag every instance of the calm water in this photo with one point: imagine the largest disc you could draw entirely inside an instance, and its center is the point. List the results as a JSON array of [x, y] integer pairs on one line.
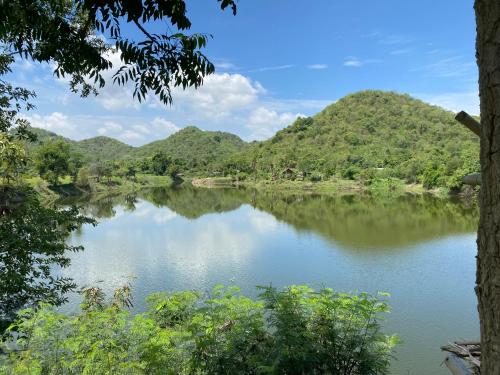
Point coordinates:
[[420, 249]]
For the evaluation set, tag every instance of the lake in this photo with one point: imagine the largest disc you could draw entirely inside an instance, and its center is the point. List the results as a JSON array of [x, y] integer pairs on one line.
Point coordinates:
[[420, 249]]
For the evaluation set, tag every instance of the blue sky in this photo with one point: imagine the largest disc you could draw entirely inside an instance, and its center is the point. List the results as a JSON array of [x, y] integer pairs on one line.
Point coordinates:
[[279, 59]]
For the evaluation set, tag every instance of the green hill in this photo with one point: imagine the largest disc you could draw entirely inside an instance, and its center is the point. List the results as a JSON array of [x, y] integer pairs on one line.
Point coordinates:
[[195, 149], [104, 148], [365, 135], [92, 149]]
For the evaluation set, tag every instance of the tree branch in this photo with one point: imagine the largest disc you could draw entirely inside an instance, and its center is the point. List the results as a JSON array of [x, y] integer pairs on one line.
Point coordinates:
[[144, 30]]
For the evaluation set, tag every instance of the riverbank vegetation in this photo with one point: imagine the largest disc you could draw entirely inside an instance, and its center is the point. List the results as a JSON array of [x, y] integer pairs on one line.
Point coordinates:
[[368, 141], [294, 330]]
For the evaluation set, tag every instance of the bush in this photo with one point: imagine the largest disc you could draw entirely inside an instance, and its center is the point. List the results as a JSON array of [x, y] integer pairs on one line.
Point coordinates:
[[433, 176], [351, 172], [293, 331], [83, 178], [315, 176]]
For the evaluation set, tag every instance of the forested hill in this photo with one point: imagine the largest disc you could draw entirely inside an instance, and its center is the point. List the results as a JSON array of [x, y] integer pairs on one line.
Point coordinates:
[[368, 134], [104, 148], [364, 136], [92, 149], [195, 148]]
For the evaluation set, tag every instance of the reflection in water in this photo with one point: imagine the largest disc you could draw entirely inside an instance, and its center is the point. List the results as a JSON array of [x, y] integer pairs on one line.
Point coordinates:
[[194, 238], [354, 221]]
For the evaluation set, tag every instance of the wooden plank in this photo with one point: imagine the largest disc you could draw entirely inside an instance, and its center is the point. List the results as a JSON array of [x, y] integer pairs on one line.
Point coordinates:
[[472, 179], [456, 365], [464, 118]]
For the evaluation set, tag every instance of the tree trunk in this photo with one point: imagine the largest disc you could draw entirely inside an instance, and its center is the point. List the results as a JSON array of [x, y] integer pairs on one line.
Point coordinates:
[[488, 259]]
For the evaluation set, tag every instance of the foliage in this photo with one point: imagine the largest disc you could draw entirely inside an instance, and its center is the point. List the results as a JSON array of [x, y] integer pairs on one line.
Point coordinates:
[[160, 163], [195, 150], [53, 161], [366, 136], [296, 330], [33, 241], [370, 134], [13, 158], [70, 34]]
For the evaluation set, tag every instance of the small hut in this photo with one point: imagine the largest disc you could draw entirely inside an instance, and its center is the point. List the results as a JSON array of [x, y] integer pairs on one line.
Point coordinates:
[[289, 173]]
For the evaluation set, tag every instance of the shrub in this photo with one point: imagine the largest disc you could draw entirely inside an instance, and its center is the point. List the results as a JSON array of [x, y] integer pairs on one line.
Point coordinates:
[[316, 176], [433, 175], [83, 178], [293, 331]]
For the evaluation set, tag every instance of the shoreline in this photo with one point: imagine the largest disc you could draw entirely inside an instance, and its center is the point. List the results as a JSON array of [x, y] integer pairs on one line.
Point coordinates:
[[117, 186]]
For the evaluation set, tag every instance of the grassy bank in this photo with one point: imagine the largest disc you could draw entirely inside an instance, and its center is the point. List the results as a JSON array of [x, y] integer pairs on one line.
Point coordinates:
[[104, 187], [331, 186]]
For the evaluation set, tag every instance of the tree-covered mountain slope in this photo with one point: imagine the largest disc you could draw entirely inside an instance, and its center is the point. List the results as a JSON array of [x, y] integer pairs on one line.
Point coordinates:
[[104, 148], [195, 149], [192, 149], [92, 149], [367, 134]]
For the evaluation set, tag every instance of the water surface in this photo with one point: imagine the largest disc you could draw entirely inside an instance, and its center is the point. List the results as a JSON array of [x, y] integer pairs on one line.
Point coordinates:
[[418, 248]]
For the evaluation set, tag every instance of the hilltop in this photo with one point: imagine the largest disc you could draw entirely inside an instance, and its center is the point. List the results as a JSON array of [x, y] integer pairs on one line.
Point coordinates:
[[104, 148], [91, 149], [365, 135], [195, 149], [192, 148]]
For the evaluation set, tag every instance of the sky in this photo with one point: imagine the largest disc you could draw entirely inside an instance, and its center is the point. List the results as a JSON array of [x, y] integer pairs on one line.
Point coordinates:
[[277, 60]]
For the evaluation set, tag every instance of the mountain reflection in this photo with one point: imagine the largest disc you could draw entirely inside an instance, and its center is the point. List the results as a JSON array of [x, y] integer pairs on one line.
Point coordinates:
[[352, 221]]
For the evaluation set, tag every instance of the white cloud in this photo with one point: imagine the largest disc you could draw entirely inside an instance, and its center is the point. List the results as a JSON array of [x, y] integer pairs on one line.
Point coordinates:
[[317, 66], [143, 129], [402, 51], [130, 135], [263, 122], [225, 65], [139, 133], [353, 62], [110, 127], [161, 217], [449, 67], [220, 96], [268, 68], [56, 122], [390, 39], [454, 101], [166, 127]]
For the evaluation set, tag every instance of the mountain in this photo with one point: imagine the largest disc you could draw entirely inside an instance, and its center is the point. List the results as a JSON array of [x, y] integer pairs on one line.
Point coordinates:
[[367, 134], [92, 149], [195, 149], [104, 148]]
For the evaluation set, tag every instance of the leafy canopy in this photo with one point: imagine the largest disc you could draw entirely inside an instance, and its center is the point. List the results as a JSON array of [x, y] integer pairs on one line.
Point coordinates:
[[78, 36], [34, 241], [296, 330]]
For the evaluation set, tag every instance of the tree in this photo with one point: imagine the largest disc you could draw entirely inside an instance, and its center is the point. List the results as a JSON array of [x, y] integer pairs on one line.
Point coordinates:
[[33, 241], [53, 161], [488, 258], [160, 163], [69, 34], [78, 38], [75, 163], [12, 158]]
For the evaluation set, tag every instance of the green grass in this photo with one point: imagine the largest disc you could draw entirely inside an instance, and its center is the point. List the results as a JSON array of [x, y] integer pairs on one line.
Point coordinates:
[[112, 186]]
